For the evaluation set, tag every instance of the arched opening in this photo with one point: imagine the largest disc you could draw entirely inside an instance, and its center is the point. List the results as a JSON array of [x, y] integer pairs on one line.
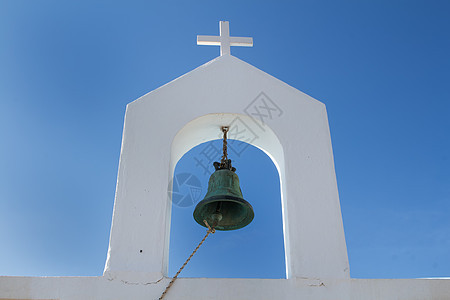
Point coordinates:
[[255, 251], [250, 136]]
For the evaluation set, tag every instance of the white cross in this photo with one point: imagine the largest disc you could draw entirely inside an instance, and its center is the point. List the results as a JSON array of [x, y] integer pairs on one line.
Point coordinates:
[[224, 40]]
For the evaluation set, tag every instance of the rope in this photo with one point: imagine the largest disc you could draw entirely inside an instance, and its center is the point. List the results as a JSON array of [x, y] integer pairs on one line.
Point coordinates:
[[210, 230]]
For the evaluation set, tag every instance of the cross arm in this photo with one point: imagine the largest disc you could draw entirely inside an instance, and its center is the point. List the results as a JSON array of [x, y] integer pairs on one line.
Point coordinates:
[[209, 40], [241, 41]]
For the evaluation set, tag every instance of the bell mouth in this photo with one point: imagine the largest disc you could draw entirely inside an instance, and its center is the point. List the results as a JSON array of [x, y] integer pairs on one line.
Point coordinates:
[[234, 212]]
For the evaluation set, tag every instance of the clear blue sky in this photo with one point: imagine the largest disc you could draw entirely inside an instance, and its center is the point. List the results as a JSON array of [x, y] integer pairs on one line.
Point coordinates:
[[68, 69]]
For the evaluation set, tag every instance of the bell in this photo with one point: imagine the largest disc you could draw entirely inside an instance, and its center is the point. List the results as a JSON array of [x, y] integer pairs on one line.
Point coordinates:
[[223, 206]]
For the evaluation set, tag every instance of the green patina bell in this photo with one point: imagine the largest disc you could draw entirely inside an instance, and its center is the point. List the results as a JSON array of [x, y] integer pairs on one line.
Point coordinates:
[[223, 206]]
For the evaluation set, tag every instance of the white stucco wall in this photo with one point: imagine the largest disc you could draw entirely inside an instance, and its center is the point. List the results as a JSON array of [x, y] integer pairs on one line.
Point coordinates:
[[164, 124], [90, 288]]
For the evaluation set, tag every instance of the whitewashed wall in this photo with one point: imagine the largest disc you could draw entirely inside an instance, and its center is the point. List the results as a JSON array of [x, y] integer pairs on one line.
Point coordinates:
[[87, 288]]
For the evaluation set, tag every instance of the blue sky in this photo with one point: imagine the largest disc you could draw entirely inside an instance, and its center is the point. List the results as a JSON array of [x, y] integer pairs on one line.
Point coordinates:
[[68, 69]]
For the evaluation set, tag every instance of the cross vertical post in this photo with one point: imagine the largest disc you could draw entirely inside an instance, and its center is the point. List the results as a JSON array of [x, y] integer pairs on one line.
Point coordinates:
[[224, 40], [224, 32]]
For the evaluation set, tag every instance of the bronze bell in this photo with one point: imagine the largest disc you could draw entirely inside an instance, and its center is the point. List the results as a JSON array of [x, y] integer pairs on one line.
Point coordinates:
[[223, 206]]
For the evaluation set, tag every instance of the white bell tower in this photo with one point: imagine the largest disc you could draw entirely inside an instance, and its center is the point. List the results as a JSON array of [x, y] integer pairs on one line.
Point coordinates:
[[313, 230]]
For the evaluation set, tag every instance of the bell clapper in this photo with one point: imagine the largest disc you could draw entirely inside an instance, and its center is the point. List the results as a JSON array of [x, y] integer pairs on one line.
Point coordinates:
[[219, 207], [216, 217]]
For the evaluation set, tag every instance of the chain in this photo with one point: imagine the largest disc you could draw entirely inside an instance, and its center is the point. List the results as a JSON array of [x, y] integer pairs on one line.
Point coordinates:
[[210, 230], [223, 162]]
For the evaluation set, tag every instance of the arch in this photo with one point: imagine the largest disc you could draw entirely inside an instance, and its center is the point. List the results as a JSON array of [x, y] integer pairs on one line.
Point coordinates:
[[207, 128], [255, 251]]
